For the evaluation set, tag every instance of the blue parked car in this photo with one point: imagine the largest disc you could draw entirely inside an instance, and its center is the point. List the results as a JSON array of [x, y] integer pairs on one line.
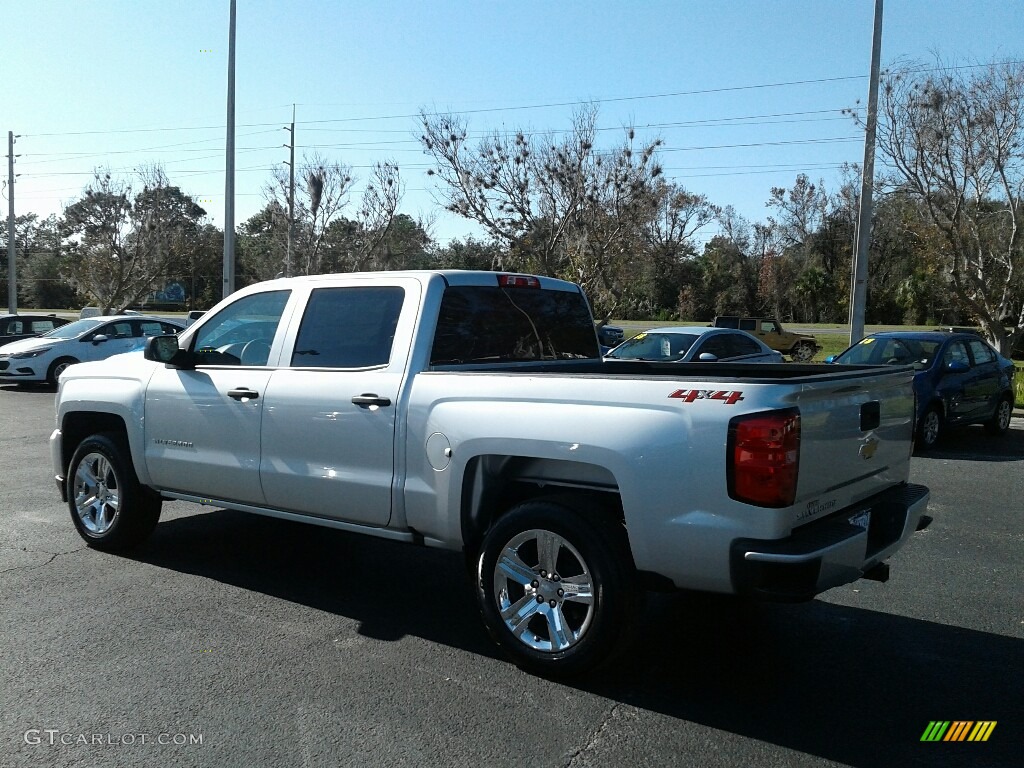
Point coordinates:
[[960, 379]]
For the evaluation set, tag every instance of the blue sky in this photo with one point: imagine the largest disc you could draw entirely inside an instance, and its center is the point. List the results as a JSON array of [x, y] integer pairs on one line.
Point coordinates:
[[746, 94]]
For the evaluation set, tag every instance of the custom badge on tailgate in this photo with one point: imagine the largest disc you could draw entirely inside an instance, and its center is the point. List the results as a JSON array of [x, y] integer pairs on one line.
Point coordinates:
[[690, 395]]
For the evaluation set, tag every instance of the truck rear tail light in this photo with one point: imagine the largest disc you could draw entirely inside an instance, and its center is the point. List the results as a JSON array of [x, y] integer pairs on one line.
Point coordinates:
[[764, 458], [518, 281]]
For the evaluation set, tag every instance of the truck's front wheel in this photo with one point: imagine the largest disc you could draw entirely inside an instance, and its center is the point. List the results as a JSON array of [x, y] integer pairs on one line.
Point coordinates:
[[111, 510], [557, 588]]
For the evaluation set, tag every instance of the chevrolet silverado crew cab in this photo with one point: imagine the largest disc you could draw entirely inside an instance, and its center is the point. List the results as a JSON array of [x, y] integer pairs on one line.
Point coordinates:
[[472, 411]]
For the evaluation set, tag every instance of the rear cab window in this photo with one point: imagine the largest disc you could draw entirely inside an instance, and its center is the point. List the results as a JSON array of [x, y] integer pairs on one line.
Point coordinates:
[[485, 324]]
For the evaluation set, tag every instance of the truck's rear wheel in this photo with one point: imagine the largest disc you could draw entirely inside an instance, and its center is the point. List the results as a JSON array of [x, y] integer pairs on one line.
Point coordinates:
[[111, 510], [557, 588]]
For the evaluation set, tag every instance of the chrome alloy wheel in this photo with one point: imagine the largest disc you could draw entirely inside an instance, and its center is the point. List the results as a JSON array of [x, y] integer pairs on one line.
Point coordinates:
[[96, 493], [1003, 413], [544, 591]]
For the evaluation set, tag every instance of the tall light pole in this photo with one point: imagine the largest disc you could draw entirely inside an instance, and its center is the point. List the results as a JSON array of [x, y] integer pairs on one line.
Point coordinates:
[[12, 272], [859, 287], [229, 181], [291, 197]]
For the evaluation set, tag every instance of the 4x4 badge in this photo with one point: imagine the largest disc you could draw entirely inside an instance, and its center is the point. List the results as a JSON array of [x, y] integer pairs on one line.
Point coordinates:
[[689, 395]]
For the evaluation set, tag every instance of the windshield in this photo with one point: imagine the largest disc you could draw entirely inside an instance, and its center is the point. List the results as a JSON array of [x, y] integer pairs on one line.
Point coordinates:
[[889, 350], [72, 330], [655, 346]]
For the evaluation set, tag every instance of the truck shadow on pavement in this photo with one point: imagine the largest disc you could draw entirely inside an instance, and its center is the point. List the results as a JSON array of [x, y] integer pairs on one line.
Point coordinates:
[[975, 444], [846, 684]]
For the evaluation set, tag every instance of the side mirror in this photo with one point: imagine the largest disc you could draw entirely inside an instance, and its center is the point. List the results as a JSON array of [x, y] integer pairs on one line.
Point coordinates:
[[164, 349], [707, 357], [957, 366], [99, 338], [830, 359]]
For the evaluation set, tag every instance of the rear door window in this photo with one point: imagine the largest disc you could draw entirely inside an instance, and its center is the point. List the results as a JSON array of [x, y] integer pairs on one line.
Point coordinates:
[[982, 353], [352, 327]]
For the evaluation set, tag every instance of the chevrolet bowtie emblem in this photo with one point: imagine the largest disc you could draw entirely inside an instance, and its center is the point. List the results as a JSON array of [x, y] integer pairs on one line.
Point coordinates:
[[868, 448]]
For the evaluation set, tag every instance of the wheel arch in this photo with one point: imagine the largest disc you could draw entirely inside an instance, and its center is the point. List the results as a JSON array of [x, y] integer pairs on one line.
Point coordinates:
[[493, 484], [935, 403], [75, 426]]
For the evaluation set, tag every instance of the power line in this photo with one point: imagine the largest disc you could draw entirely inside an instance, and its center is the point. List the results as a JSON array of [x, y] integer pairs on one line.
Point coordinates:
[[514, 108]]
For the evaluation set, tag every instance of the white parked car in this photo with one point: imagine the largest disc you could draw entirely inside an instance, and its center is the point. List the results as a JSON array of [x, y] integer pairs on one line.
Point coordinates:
[[695, 344], [45, 357]]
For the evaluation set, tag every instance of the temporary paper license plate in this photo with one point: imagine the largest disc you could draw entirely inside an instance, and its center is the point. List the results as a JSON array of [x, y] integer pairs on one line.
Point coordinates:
[[861, 519]]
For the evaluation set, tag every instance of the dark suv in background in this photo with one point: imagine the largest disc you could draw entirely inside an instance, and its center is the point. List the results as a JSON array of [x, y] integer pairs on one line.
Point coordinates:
[[15, 327]]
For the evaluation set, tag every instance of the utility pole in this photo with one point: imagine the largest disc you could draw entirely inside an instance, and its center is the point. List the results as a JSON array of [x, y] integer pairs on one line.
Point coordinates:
[[229, 181], [859, 287], [12, 272], [291, 197]]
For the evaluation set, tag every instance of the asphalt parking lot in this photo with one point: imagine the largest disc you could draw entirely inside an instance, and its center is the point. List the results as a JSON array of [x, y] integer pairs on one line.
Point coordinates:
[[234, 640]]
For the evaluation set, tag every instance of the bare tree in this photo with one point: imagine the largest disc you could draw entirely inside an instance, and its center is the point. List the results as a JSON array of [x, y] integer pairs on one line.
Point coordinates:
[[524, 190], [954, 138], [377, 213], [561, 207], [326, 238]]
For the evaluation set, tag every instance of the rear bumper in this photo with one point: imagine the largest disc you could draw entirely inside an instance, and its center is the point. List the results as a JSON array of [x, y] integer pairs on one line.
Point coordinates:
[[831, 552]]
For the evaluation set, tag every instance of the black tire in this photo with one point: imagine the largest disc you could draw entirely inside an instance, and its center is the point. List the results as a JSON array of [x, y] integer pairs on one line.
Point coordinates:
[[802, 352], [563, 633], [111, 510], [930, 429], [1000, 421], [56, 368]]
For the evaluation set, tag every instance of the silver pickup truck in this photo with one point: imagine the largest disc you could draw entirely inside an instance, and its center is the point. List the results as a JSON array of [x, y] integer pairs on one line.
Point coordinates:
[[472, 411]]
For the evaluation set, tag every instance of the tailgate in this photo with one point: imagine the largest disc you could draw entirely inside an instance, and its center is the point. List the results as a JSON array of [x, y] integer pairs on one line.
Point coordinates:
[[855, 439]]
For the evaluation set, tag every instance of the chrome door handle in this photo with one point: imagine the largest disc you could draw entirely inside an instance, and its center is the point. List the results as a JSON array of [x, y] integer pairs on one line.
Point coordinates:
[[243, 394], [368, 399]]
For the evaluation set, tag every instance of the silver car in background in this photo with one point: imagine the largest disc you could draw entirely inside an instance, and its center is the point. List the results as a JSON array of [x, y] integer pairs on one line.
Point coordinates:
[[697, 344], [45, 357]]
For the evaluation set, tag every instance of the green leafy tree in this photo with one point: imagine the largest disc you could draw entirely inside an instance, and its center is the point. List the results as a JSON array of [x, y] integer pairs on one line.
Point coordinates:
[[262, 244], [38, 251], [468, 254], [118, 245]]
